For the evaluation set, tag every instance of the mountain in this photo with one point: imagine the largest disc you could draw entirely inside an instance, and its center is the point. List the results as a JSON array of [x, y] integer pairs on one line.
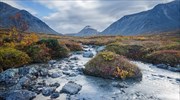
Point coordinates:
[[162, 18], [21, 19], [86, 31]]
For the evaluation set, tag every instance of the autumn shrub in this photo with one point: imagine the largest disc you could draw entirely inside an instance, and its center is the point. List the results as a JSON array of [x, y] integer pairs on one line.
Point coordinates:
[[56, 50], [29, 39], [172, 46], [135, 52], [108, 65], [10, 57], [171, 57], [38, 53], [18, 40], [73, 46]]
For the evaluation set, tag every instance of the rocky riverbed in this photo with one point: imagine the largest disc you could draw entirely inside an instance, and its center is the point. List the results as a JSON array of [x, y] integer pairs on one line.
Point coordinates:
[[64, 80]]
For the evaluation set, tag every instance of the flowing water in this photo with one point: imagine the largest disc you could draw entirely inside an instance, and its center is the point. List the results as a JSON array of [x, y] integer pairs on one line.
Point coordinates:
[[156, 84]]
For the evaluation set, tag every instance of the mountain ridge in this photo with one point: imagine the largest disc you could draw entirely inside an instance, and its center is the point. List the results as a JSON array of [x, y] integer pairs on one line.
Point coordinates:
[[13, 17], [86, 31], [147, 21]]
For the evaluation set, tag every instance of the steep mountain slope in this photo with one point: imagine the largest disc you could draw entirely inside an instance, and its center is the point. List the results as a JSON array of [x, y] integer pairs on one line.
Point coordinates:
[[21, 19], [163, 17], [86, 31]]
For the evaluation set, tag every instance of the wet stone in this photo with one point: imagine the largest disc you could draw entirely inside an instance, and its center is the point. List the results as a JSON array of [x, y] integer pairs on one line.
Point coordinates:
[[55, 85], [119, 85], [9, 76], [24, 81], [71, 88], [178, 79], [47, 91], [88, 54], [52, 62], [43, 72], [55, 75], [43, 83], [55, 95], [74, 58], [69, 73], [163, 66]]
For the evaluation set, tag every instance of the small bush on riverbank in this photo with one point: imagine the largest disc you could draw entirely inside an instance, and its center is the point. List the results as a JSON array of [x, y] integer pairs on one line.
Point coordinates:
[[130, 51], [39, 53], [10, 57], [73, 46], [56, 50], [171, 57], [108, 64]]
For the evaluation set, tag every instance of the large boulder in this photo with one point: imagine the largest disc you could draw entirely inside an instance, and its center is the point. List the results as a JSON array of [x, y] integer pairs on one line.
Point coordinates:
[[110, 65], [71, 88]]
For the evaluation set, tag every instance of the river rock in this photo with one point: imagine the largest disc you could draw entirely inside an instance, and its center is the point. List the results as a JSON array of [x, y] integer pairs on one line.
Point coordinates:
[[71, 88], [101, 48], [65, 68], [15, 87], [47, 91], [55, 95], [55, 75], [69, 73], [88, 54], [55, 85], [178, 79], [19, 95], [43, 72], [24, 81], [43, 83], [24, 71], [9, 77], [85, 46], [74, 58], [51, 62], [119, 85], [78, 52], [31, 77], [72, 66], [33, 71], [35, 88], [163, 66], [174, 69]]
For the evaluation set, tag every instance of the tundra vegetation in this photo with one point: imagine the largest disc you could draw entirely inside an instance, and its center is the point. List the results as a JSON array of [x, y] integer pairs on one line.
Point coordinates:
[[162, 48]]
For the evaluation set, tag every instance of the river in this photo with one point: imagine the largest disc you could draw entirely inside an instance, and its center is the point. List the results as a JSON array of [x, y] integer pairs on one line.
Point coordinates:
[[156, 84]]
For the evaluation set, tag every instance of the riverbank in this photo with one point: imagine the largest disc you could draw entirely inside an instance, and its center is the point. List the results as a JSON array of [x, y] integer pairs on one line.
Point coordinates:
[[45, 81]]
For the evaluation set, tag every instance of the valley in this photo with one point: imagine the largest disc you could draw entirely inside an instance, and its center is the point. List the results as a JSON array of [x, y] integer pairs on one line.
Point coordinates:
[[108, 50]]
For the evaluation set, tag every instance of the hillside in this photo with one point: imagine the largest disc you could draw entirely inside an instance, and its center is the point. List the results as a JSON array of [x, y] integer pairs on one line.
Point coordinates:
[[22, 19], [162, 18]]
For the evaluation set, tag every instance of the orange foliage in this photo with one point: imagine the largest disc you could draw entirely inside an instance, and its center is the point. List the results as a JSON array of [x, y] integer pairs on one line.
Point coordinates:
[[29, 39]]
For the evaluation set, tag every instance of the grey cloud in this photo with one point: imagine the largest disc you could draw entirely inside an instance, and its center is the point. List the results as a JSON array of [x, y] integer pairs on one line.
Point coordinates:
[[72, 16]]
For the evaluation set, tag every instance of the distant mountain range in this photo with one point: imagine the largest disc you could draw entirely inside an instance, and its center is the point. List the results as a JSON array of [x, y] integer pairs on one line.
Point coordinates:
[[163, 17], [86, 31], [23, 20]]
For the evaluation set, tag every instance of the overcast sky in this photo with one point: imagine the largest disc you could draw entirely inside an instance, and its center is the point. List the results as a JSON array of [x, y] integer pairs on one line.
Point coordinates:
[[70, 16]]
